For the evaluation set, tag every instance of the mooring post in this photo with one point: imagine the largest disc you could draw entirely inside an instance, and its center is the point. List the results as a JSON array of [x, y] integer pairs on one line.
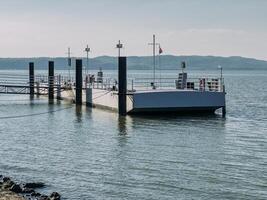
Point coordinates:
[[59, 87], [38, 88], [50, 80], [79, 82], [224, 107], [31, 78], [88, 92], [122, 71], [89, 97]]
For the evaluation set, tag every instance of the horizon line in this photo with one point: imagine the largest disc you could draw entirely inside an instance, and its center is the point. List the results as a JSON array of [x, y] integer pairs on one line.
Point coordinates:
[[112, 56]]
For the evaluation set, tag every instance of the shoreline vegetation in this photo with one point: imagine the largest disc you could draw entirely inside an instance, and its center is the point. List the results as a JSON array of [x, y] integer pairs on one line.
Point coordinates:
[[10, 190], [167, 62]]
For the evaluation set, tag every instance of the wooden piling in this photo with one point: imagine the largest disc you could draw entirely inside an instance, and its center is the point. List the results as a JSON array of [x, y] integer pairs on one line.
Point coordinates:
[[224, 107], [31, 78], [59, 87], [37, 89], [122, 71], [51, 80], [79, 82]]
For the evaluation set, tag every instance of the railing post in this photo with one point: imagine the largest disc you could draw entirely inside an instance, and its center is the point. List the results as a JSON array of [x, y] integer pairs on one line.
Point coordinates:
[[122, 104], [51, 80], [59, 87], [79, 82], [31, 78]]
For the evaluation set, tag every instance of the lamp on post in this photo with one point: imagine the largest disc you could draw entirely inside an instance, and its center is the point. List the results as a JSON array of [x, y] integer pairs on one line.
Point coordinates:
[[87, 50]]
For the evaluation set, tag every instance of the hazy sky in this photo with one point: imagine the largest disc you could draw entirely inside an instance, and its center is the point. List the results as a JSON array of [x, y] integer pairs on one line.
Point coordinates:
[[183, 27]]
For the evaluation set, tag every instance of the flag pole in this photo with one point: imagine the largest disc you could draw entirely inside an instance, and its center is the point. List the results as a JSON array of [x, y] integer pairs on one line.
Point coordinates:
[[159, 71], [154, 58], [154, 44]]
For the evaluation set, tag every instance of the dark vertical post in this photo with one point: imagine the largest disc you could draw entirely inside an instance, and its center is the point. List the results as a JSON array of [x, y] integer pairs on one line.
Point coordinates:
[[122, 105], [224, 107], [50, 80], [79, 82], [59, 87], [224, 111], [31, 78]]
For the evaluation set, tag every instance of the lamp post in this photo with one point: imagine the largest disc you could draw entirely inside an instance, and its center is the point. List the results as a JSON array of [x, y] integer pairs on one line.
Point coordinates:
[[119, 46], [87, 50]]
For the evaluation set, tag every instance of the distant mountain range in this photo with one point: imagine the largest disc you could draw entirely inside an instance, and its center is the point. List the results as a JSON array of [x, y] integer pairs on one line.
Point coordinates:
[[142, 62]]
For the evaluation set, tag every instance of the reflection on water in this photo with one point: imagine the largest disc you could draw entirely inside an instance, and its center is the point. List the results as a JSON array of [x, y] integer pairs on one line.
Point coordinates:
[[78, 112], [95, 154], [122, 125], [51, 101]]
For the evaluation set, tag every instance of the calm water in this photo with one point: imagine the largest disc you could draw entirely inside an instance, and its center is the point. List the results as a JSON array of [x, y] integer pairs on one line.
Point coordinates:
[[93, 154]]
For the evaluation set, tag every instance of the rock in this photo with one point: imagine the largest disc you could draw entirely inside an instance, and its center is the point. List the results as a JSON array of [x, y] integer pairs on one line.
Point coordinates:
[[24, 191], [44, 197], [34, 185], [7, 184], [15, 188], [33, 194], [6, 179], [27, 190], [55, 196], [37, 194], [28, 197]]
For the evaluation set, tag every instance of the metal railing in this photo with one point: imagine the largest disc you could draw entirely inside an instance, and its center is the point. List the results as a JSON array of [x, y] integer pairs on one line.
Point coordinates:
[[9, 79], [200, 84], [197, 84], [106, 83], [21, 83]]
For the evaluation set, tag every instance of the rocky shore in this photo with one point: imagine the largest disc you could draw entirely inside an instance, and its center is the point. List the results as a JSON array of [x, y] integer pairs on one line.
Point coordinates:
[[10, 190]]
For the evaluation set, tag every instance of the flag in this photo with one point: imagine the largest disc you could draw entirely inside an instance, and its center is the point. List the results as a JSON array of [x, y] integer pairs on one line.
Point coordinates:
[[160, 50]]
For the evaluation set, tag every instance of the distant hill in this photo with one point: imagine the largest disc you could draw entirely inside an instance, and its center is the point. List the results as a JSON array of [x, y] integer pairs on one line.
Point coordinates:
[[143, 62]]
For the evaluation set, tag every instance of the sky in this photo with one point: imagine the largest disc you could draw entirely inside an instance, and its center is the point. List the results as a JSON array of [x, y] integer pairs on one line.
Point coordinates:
[[35, 28]]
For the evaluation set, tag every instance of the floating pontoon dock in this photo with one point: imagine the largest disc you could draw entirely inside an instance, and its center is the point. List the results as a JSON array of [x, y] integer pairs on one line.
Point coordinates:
[[180, 95]]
